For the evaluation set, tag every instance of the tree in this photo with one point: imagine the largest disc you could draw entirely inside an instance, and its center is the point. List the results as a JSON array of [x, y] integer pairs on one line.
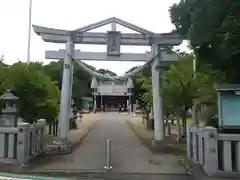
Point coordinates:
[[143, 88], [130, 70], [81, 78], [181, 86], [38, 95], [106, 72], [212, 27], [38, 87]]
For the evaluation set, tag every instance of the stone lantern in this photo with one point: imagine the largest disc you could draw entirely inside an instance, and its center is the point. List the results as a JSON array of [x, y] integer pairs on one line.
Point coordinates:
[[9, 109]]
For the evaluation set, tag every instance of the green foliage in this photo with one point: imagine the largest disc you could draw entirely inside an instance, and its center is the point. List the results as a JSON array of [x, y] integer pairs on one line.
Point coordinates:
[[180, 85], [130, 70], [3, 78], [38, 95], [106, 72], [38, 87], [143, 88], [213, 29], [81, 79]]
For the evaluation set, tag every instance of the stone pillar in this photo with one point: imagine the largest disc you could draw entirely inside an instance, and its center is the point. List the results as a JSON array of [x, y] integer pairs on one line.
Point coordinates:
[[23, 144], [157, 98], [65, 92], [195, 147], [189, 140], [210, 150], [42, 142]]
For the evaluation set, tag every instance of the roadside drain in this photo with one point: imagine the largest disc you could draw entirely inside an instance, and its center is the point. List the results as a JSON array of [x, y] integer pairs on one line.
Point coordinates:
[[154, 162]]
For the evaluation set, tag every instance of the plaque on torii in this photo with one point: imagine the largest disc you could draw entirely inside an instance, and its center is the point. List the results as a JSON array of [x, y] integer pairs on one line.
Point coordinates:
[[113, 43]]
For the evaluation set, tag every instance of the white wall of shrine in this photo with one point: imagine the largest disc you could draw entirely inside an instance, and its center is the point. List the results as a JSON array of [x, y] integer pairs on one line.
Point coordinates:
[[112, 89]]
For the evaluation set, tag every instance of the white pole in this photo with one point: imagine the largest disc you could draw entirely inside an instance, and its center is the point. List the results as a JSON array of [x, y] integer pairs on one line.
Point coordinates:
[[194, 115], [108, 157], [194, 66], [29, 31]]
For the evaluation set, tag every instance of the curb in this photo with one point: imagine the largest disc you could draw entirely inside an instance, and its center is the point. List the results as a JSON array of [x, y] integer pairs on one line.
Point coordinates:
[[193, 169]]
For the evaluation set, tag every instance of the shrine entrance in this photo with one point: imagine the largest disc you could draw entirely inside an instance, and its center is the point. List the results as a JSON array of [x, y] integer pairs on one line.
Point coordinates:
[[113, 39], [112, 103]]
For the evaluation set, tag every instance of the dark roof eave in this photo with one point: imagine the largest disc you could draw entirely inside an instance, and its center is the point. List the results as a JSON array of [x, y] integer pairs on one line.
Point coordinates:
[[227, 87]]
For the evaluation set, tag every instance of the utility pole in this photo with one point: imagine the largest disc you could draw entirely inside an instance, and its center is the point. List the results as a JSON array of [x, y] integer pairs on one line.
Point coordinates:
[[29, 31], [194, 113]]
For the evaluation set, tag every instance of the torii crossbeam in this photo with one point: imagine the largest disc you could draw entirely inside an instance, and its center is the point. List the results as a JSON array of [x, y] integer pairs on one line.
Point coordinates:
[[101, 56]]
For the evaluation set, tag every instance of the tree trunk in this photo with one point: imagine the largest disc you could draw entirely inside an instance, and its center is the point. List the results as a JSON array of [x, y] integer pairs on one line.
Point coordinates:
[[50, 128], [54, 128]]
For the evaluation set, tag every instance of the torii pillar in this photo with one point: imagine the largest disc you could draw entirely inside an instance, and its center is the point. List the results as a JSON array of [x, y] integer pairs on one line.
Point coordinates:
[[159, 127], [66, 92]]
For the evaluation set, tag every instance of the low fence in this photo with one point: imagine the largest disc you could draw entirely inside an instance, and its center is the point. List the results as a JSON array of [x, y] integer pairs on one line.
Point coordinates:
[[217, 153], [20, 144]]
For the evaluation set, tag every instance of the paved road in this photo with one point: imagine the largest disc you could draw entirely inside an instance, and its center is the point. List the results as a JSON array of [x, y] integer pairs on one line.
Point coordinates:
[[129, 155]]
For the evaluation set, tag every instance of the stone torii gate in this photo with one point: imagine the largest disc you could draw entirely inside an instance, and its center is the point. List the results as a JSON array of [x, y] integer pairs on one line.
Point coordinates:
[[113, 39]]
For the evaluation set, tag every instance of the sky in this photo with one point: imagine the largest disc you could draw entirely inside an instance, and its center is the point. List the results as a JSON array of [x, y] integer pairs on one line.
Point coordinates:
[[152, 15]]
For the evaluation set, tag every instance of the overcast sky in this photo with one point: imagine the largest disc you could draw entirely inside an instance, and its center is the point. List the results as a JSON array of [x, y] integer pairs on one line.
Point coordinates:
[[72, 14]]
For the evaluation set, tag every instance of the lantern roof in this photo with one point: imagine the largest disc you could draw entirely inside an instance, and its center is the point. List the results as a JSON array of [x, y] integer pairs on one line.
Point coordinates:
[[7, 95]]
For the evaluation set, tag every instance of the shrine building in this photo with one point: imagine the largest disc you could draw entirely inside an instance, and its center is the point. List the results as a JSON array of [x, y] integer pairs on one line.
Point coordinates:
[[111, 95]]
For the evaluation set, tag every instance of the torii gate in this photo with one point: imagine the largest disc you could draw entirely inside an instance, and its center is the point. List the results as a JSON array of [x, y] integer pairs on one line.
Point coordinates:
[[113, 39]]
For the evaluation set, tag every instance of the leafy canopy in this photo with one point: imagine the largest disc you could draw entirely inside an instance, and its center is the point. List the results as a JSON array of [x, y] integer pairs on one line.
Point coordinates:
[[212, 27]]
